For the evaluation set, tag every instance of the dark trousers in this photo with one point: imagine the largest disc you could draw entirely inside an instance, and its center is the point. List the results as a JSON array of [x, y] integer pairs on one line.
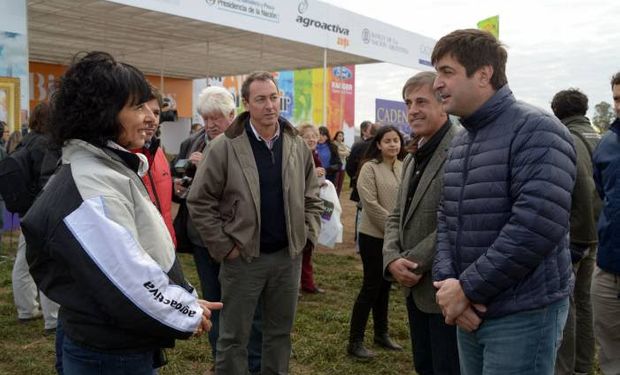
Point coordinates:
[[208, 272], [375, 291], [576, 354], [433, 342]]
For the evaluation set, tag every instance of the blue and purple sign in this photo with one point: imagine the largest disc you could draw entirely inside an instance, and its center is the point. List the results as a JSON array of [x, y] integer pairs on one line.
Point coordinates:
[[392, 112]]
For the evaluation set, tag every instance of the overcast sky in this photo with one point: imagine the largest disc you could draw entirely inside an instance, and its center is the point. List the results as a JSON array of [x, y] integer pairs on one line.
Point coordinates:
[[552, 44]]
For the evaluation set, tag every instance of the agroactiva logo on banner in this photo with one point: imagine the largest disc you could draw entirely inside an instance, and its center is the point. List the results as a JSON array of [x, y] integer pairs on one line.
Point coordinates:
[[210, 2], [303, 6]]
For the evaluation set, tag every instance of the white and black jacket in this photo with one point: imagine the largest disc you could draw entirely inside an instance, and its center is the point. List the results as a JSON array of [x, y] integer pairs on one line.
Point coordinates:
[[97, 245]]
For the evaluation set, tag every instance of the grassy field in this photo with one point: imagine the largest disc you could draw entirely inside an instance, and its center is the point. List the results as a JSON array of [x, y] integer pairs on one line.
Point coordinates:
[[319, 338]]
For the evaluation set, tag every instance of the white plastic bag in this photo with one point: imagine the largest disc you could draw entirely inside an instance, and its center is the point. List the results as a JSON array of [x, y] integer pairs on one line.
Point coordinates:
[[331, 227]]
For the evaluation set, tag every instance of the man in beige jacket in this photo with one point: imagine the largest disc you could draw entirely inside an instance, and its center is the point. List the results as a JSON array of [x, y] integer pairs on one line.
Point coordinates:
[[411, 229], [256, 205]]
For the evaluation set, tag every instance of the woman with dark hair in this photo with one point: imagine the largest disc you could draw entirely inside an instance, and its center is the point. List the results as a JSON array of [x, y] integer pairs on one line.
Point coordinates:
[[377, 183], [343, 153], [96, 243], [328, 154]]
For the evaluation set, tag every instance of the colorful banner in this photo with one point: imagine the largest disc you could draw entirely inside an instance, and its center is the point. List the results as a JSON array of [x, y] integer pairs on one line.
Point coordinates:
[[491, 25], [341, 102], [392, 112], [13, 64], [286, 85], [303, 98], [302, 95]]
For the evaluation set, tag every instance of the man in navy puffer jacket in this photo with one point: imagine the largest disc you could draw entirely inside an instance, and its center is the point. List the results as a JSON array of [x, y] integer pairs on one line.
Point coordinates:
[[503, 266], [605, 291]]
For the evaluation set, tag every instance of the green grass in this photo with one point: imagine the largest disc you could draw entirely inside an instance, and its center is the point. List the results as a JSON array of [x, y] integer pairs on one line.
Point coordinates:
[[319, 337]]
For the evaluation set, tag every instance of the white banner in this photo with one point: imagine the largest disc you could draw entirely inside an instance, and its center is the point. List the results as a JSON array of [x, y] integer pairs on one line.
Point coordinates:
[[306, 21]]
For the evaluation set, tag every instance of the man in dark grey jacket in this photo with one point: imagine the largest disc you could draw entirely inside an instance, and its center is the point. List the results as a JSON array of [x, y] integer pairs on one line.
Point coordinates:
[[576, 355], [502, 266], [411, 228]]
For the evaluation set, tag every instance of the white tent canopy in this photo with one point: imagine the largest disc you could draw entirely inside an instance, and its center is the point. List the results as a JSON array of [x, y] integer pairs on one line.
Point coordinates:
[[199, 38]]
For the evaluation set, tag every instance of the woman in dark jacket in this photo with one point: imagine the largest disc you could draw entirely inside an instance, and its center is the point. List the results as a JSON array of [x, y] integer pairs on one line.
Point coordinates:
[[95, 242], [328, 154]]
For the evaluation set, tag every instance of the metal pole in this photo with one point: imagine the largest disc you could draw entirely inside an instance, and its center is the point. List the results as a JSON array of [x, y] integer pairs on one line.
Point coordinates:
[[324, 86], [161, 73]]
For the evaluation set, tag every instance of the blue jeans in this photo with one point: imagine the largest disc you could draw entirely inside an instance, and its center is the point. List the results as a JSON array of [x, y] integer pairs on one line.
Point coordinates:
[[521, 343], [78, 360], [208, 273]]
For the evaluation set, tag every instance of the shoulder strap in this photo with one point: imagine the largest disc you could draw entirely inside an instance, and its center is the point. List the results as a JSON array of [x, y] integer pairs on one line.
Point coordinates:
[[583, 140]]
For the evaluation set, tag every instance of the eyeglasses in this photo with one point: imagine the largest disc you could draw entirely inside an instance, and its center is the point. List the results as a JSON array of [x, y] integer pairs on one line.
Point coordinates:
[[310, 136]]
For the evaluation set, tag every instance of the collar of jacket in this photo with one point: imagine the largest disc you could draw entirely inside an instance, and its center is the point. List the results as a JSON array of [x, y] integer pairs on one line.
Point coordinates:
[[431, 144], [490, 110], [136, 162], [615, 126], [153, 145], [576, 120], [149, 151], [238, 126]]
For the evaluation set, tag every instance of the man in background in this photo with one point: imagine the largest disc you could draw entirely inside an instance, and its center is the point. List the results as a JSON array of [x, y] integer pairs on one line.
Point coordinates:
[[411, 229], [216, 106], [606, 281], [576, 354], [256, 206]]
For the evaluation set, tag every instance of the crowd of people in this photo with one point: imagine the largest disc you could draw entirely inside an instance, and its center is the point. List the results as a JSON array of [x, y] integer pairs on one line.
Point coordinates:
[[502, 228]]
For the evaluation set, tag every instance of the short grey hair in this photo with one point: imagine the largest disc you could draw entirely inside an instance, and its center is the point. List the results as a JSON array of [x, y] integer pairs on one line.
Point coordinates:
[[215, 99], [420, 80]]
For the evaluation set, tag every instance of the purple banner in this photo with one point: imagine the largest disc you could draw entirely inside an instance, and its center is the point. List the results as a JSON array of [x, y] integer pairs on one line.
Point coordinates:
[[392, 112]]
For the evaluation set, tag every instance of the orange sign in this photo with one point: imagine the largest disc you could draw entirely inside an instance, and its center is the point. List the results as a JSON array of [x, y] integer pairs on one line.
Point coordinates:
[[43, 77]]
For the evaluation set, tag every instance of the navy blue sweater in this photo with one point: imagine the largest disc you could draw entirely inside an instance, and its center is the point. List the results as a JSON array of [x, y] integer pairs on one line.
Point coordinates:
[[606, 162], [269, 165]]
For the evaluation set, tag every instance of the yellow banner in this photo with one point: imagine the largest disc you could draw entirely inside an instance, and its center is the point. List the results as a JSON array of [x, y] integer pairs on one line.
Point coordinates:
[[491, 25]]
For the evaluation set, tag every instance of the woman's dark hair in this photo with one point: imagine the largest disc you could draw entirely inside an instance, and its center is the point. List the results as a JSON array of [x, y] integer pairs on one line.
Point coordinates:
[[324, 131], [39, 118], [336, 135], [90, 95], [373, 152]]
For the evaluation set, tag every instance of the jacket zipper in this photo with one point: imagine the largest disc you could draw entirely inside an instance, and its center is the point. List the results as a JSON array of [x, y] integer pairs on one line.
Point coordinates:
[[457, 248], [154, 192]]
